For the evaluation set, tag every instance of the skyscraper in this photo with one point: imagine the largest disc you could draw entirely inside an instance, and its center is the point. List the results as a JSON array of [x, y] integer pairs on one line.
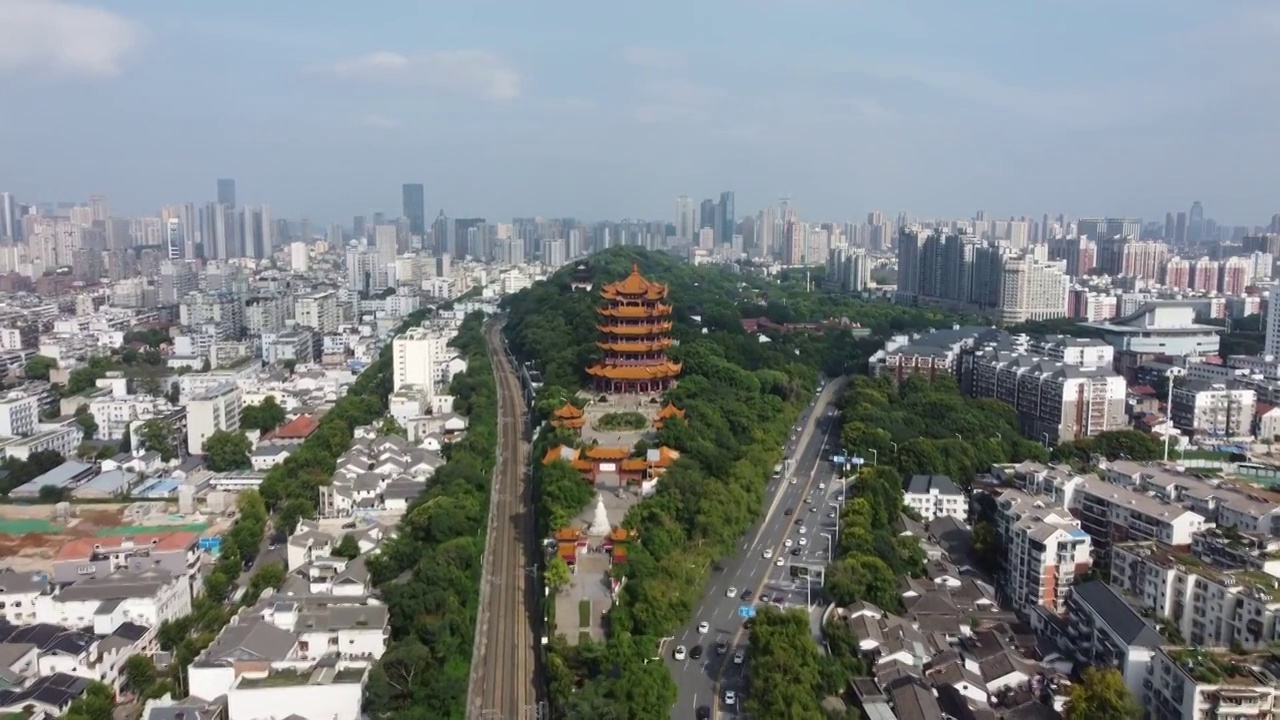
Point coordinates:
[[707, 214], [9, 220], [684, 218], [1195, 222], [227, 192], [728, 221], [415, 208]]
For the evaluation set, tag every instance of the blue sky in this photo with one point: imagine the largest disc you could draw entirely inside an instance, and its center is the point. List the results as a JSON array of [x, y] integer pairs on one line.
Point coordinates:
[[608, 109]]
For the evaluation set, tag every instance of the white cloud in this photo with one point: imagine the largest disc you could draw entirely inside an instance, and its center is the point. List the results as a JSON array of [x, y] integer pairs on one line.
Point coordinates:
[[654, 58], [675, 100], [64, 39], [478, 73], [380, 122]]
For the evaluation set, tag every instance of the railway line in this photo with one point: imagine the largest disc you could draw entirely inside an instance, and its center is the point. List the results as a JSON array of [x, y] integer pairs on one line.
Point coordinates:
[[503, 683]]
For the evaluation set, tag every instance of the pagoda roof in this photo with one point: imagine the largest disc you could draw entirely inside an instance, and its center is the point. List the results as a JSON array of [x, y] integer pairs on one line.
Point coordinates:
[[660, 328], [602, 452], [636, 347], [567, 412], [568, 534], [669, 411], [636, 372], [634, 285], [635, 311]]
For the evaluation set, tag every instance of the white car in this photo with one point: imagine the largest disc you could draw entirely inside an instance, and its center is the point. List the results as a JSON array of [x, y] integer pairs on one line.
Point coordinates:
[[822, 486], [802, 530], [768, 554], [804, 541], [730, 698], [704, 627], [831, 514], [739, 657], [786, 543], [793, 481], [681, 653], [780, 562], [731, 592]]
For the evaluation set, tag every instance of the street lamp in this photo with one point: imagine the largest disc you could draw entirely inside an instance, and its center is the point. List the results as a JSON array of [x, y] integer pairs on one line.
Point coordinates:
[[958, 437], [895, 447], [1000, 437], [831, 547], [837, 507], [875, 457], [1045, 435]]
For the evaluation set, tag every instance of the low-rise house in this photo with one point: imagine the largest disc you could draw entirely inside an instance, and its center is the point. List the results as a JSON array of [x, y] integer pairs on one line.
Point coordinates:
[[50, 695], [935, 496], [264, 457], [148, 598]]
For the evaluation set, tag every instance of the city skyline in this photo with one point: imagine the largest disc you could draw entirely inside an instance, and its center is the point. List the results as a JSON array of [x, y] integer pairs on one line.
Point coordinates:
[[601, 127]]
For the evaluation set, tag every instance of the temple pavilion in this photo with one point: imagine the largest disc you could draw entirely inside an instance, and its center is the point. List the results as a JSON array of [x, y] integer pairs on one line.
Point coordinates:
[[635, 325], [568, 417]]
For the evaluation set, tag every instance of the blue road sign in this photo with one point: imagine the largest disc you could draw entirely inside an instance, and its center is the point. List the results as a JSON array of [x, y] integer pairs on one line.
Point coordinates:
[[746, 611], [839, 459], [855, 460]]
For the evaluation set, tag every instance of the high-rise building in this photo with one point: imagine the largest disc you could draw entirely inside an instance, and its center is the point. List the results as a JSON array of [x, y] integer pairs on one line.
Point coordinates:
[[210, 410], [174, 242], [299, 257], [707, 214], [1195, 223], [1107, 228], [1180, 228], [726, 216], [684, 219], [384, 237], [318, 311], [227, 192], [415, 208], [10, 222], [414, 356], [553, 253], [1170, 227]]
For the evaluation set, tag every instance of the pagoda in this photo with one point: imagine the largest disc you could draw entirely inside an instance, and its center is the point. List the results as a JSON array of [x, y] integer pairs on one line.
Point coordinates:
[[568, 417], [636, 326], [667, 412]]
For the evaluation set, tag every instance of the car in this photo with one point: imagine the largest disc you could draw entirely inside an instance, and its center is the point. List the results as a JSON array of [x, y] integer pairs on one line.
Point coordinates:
[[730, 698], [822, 486], [271, 546], [722, 647], [786, 543], [349, 526], [789, 512], [704, 627], [813, 509], [799, 521], [796, 551], [703, 713], [731, 592], [779, 562], [802, 530], [739, 657], [780, 601], [747, 595], [680, 653], [748, 623], [831, 514], [808, 500], [768, 554], [793, 481], [804, 541], [764, 597], [695, 652]]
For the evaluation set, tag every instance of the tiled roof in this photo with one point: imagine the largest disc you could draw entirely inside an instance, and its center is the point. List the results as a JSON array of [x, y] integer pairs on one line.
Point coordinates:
[[80, 549], [298, 428]]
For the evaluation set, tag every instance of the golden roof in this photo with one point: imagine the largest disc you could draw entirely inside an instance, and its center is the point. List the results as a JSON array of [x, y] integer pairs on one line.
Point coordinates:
[[669, 411], [567, 412], [635, 284], [665, 369], [661, 328], [635, 311], [635, 347], [601, 452]]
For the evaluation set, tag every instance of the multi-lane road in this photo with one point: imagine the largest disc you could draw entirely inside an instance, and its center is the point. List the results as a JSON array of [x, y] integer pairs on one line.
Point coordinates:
[[503, 668], [802, 497]]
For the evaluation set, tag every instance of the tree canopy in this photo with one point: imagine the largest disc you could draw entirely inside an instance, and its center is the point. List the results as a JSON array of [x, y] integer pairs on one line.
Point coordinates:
[[1101, 695], [265, 416], [225, 450], [784, 669]]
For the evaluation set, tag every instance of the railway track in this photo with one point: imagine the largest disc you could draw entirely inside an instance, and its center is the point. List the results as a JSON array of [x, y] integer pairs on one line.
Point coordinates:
[[503, 683]]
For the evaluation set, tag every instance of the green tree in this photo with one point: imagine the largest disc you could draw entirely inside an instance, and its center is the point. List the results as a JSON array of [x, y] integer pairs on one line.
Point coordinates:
[[97, 703], [265, 576], [140, 675], [225, 450], [157, 436], [348, 547], [265, 416], [38, 367], [783, 667], [863, 577], [389, 426], [85, 420], [557, 574], [1101, 695]]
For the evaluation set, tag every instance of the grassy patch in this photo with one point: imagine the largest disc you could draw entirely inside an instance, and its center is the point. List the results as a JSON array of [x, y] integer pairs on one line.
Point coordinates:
[[584, 613], [622, 421]]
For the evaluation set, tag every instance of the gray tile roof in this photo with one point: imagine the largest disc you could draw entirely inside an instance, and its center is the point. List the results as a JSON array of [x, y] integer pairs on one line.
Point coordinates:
[[1127, 624]]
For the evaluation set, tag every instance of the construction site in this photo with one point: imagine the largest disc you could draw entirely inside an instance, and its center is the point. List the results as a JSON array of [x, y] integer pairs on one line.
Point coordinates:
[[31, 535]]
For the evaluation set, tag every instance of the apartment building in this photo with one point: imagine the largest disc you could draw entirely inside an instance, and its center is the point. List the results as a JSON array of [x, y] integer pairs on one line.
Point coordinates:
[[416, 356], [175, 552], [1043, 552], [146, 598], [114, 415], [63, 440], [213, 409], [1199, 684], [1056, 401], [935, 496], [296, 346], [318, 311], [1109, 512], [1213, 410], [1246, 508], [1100, 629], [19, 414], [931, 354], [1210, 606]]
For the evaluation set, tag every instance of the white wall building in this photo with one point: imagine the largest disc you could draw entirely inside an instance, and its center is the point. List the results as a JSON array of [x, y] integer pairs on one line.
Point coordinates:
[[213, 409]]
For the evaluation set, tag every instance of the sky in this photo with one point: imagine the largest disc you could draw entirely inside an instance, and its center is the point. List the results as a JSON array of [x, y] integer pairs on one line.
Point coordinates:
[[606, 110]]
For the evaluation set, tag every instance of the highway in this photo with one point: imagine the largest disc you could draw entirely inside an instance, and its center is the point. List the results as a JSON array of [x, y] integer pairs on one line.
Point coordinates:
[[502, 684], [702, 682]]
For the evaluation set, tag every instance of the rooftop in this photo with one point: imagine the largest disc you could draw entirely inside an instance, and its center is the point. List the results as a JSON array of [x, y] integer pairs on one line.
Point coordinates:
[[1213, 668], [82, 548], [298, 428], [1266, 586]]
